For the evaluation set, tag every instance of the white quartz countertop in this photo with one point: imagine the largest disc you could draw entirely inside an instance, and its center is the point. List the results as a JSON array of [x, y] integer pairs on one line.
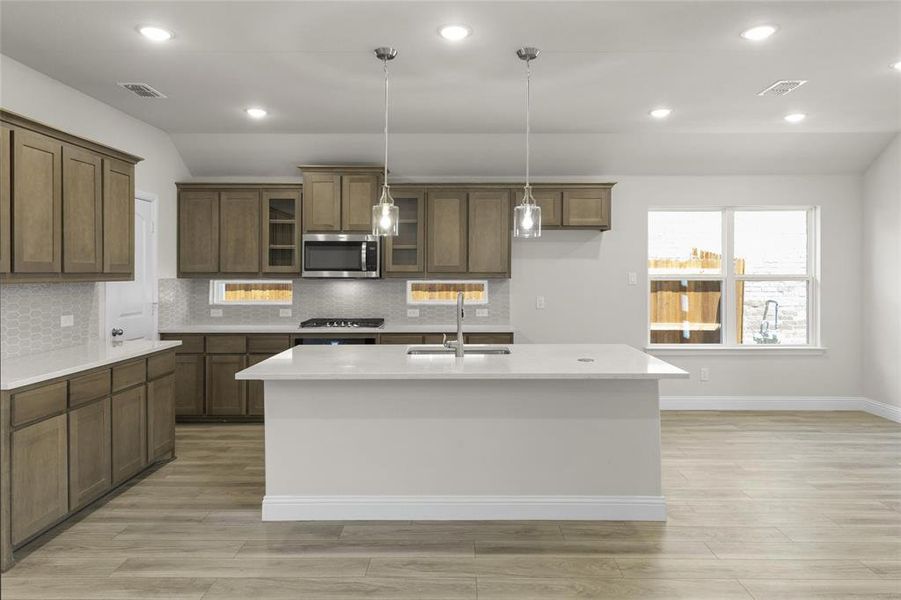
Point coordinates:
[[525, 361], [295, 328], [26, 370]]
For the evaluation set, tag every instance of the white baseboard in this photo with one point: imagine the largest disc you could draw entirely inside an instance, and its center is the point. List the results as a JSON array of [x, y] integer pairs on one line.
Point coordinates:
[[873, 407], [440, 508]]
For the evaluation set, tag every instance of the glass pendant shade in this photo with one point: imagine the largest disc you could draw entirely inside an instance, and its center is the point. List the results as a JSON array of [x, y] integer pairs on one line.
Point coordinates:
[[527, 218], [385, 215]]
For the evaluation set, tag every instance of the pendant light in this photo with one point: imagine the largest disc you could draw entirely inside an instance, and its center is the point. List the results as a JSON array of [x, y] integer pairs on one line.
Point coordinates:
[[527, 215], [385, 213]]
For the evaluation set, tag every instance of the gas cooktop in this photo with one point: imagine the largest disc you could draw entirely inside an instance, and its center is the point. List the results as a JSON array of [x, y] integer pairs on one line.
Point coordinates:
[[343, 323]]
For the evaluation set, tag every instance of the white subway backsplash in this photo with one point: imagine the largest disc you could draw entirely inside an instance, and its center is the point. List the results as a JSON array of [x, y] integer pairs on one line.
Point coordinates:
[[187, 302]]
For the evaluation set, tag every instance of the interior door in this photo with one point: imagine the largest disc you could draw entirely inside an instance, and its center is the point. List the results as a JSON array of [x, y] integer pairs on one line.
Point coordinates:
[[130, 305]]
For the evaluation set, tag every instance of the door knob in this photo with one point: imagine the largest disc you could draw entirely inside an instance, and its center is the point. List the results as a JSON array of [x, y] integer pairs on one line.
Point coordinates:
[[116, 332]]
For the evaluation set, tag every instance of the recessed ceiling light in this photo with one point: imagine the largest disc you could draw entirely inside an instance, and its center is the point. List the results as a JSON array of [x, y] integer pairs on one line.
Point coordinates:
[[795, 117], [155, 34], [897, 66], [759, 33], [455, 33], [256, 113], [661, 113]]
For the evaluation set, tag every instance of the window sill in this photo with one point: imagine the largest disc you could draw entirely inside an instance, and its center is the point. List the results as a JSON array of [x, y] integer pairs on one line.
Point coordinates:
[[688, 350]]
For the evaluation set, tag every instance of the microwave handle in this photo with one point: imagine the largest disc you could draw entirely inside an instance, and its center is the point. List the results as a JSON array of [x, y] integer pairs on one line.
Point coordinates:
[[363, 256]]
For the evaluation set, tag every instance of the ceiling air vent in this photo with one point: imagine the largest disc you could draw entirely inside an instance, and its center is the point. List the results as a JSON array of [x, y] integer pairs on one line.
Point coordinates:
[[781, 88], [142, 89]]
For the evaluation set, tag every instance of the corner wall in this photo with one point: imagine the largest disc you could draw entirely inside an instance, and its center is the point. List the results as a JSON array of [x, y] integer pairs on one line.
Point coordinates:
[[584, 279], [881, 268]]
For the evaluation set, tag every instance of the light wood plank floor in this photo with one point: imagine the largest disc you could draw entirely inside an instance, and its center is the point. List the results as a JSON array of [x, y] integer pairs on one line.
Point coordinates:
[[762, 505]]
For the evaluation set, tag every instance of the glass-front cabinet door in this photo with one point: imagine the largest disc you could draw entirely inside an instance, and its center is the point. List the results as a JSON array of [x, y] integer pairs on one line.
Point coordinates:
[[281, 231], [405, 253]]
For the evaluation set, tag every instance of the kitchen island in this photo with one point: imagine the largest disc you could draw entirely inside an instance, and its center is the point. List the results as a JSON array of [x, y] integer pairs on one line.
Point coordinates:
[[548, 431]]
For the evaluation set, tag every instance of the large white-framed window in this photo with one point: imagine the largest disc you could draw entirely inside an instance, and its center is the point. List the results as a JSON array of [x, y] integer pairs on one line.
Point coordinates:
[[733, 278]]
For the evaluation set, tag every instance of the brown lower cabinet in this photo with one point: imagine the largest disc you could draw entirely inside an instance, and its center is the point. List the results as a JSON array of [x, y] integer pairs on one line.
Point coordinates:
[[189, 375], [90, 474], [69, 441], [129, 419], [255, 388], [40, 478], [224, 394]]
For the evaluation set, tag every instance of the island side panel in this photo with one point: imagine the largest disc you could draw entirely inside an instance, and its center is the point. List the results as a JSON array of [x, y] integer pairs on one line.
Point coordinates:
[[463, 449]]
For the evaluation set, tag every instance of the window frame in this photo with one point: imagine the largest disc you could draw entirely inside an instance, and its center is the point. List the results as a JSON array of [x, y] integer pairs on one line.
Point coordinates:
[[728, 279], [217, 292]]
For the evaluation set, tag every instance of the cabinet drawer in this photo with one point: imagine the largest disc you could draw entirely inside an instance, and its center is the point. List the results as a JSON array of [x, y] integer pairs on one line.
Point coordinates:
[[267, 344], [38, 403], [437, 338], [129, 374], [160, 364], [226, 344], [400, 338], [88, 387], [489, 338], [190, 344]]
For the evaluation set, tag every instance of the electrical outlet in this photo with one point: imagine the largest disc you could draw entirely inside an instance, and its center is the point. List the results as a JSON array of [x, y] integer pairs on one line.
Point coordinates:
[[66, 321], [539, 302], [215, 312], [705, 374], [633, 278], [284, 312], [481, 312], [413, 313]]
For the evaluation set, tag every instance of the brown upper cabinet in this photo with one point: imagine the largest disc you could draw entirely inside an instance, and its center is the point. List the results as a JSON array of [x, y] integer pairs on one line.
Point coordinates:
[[66, 205], [339, 198], [5, 195], [448, 231], [405, 253], [118, 216], [489, 233], [587, 208], [551, 204], [82, 211], [239, 231]]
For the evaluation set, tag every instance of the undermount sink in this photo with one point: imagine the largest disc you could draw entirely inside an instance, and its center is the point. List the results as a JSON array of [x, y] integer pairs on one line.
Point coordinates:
[[474, 350]]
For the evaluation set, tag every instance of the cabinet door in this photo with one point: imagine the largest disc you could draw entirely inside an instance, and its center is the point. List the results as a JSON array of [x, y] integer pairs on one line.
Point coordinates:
[[405, 253], [550, 202], [40, 477], [587, 208], [160, 417], [198, 232], [37, 203], [447, 231], [118, 216], [489, 338], [224, 394], [321, 202], [400, 338], [90, 464], [358, 194], [5, 196], [82, 211], [489, 232], [129, 418], [189, 375], [239, 232], [255, 388], [281, 231]]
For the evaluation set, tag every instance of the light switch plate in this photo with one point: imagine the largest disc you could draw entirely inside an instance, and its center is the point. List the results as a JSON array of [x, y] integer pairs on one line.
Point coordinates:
[[413, 313], [66, 321], [215, 312], [705, 374], [539, 302], [481, 312], [284, 312], [633, 278]]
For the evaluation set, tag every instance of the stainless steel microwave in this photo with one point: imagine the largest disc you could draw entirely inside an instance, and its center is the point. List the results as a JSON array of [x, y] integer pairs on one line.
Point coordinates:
[[340, 255]]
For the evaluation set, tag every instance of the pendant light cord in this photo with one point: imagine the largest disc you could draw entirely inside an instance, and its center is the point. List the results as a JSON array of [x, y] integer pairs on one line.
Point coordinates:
[[528, 116], [385, 182]]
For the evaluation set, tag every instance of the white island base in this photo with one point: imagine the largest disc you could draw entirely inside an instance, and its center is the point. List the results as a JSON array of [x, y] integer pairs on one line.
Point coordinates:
[[444, 438]]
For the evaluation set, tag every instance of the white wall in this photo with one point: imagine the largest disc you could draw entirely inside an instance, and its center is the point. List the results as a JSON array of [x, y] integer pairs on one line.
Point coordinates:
[[881, 266], [583, 277], [36, 96]]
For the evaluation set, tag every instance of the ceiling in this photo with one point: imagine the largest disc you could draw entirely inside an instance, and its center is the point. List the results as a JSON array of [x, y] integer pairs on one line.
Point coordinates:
[[603, 66]]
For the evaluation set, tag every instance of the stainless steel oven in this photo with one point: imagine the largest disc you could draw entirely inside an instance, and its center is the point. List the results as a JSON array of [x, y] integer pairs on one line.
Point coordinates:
[[340, 255]]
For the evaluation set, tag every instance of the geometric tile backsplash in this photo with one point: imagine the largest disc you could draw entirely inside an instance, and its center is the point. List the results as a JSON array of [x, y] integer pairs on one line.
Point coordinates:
[[29, 319], [187, 301]]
